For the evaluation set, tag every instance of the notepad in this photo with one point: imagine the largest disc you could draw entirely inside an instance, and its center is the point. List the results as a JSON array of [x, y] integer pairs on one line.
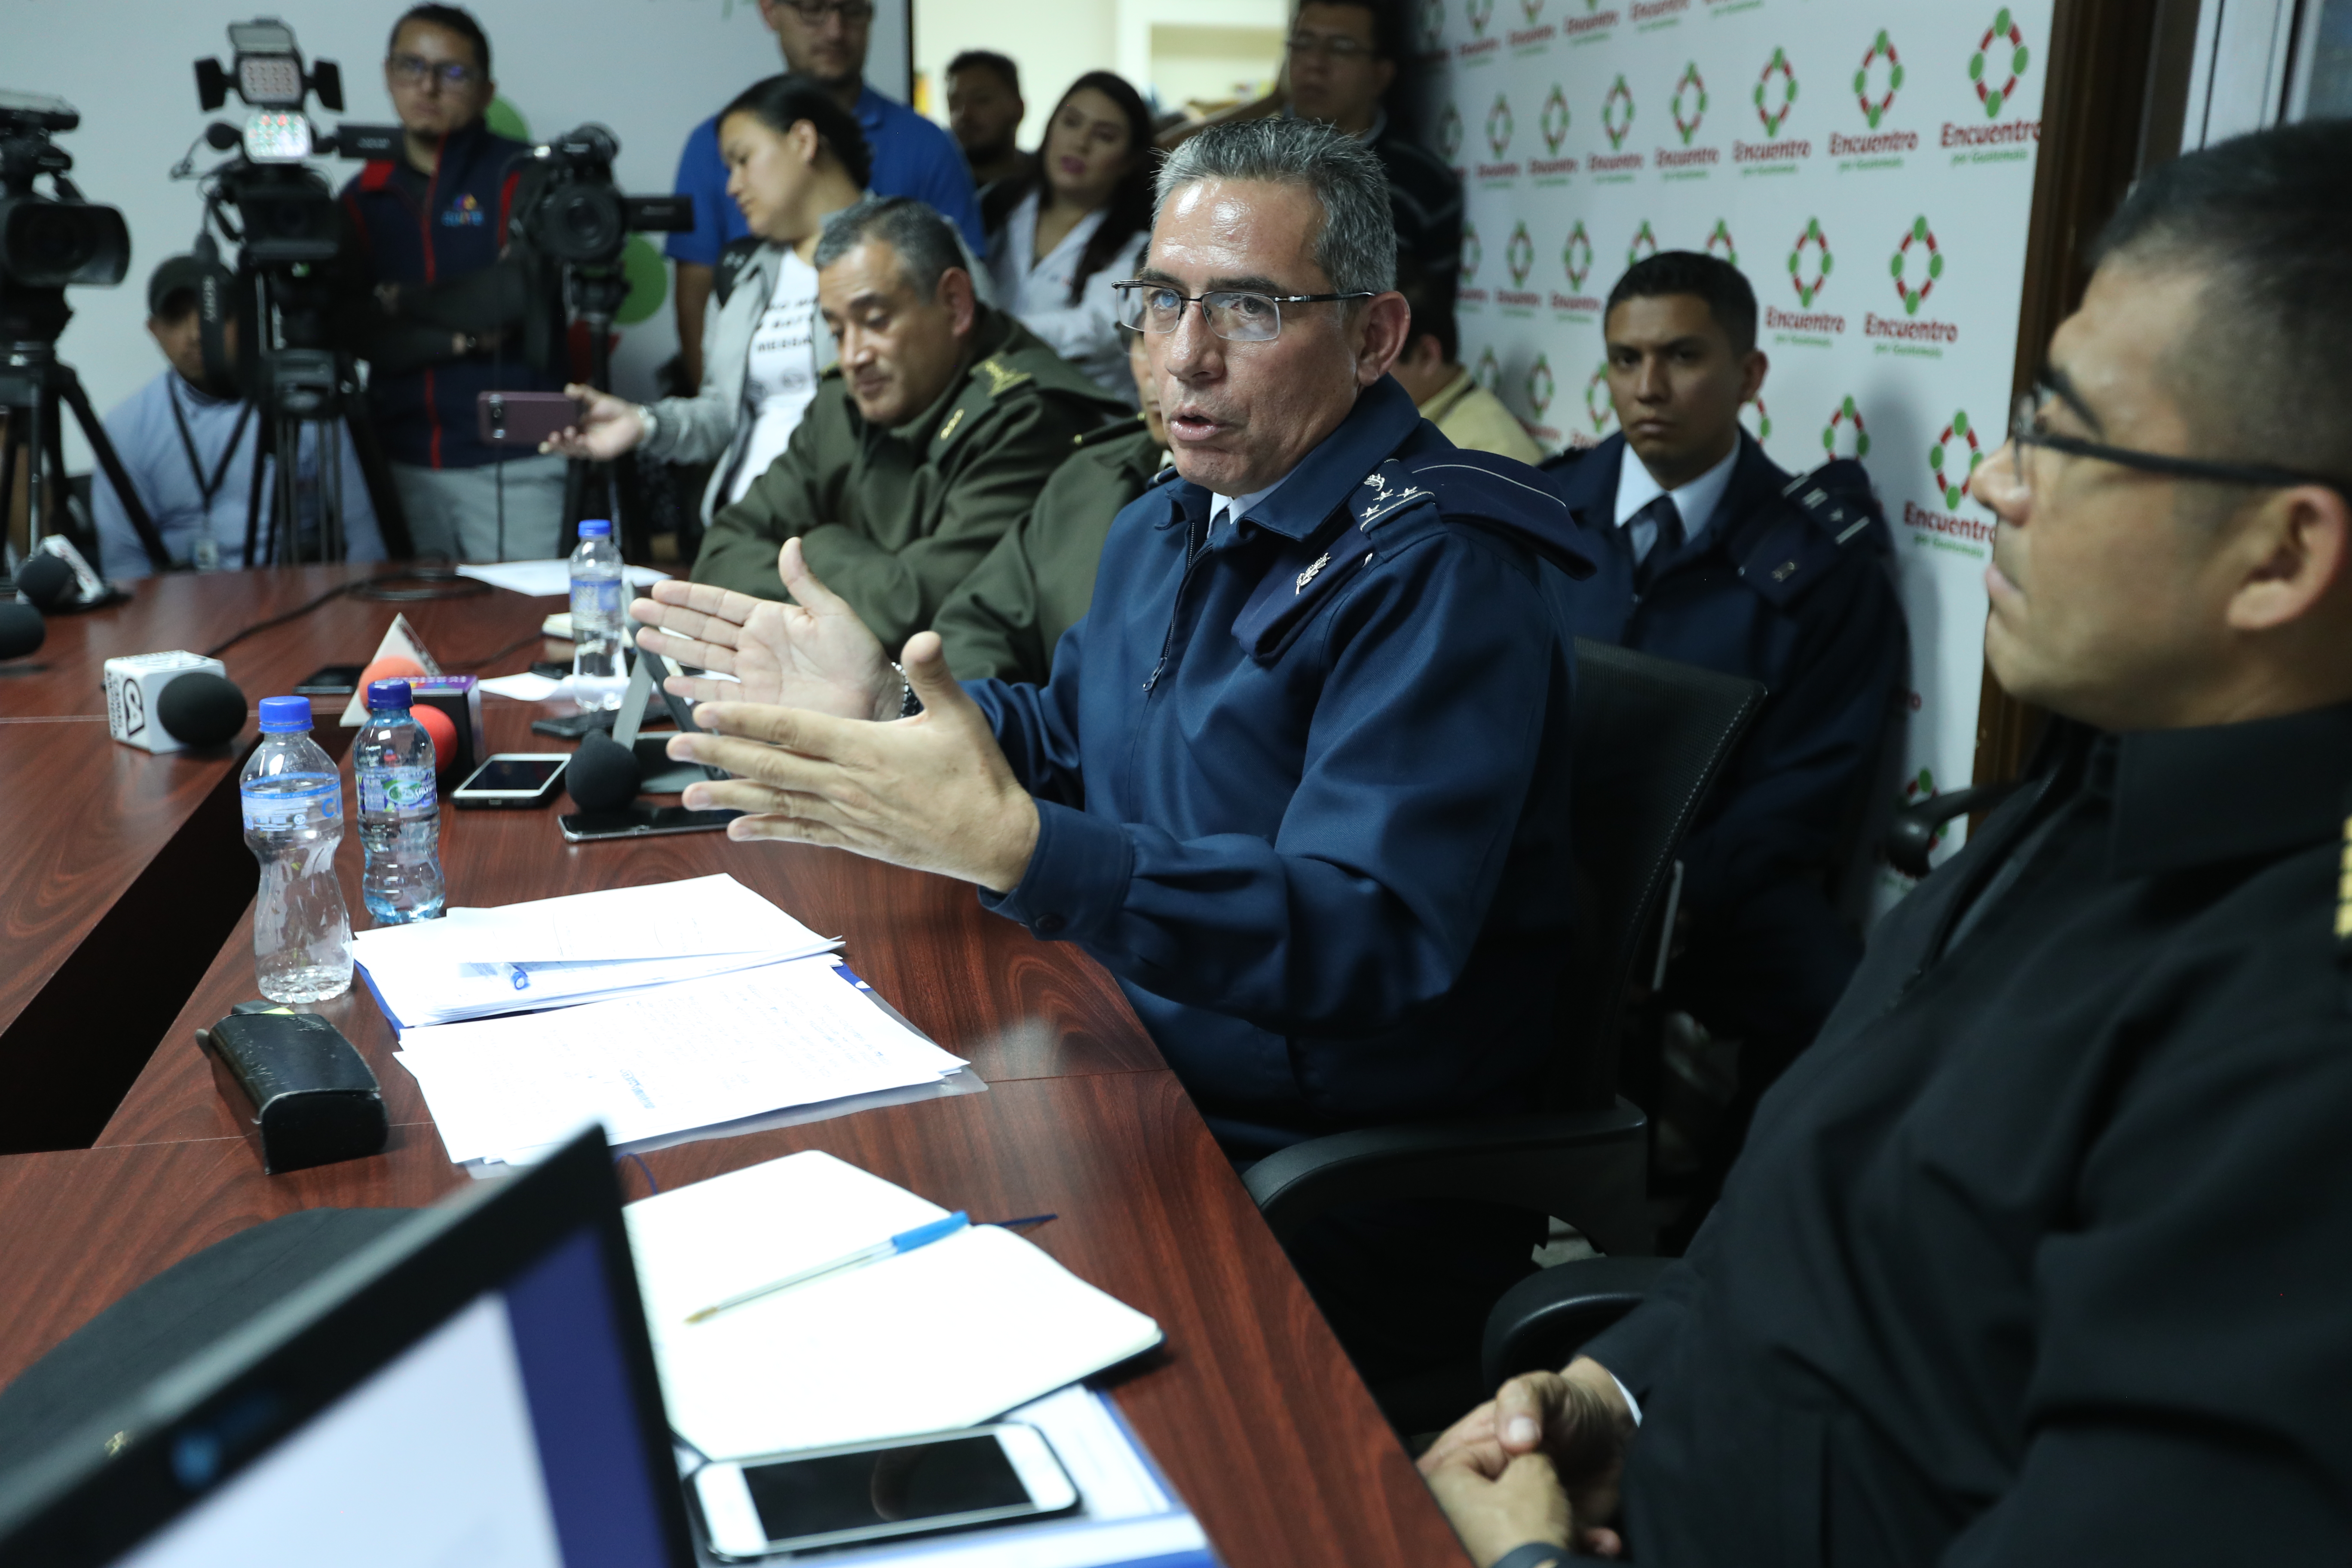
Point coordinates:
[[691, 1055], [945, 1337]]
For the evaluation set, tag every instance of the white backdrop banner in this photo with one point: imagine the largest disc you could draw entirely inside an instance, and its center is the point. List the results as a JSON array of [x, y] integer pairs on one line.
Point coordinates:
[[1868, 165]]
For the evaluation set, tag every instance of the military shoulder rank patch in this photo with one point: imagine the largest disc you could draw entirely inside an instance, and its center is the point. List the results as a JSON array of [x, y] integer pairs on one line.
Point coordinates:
[[949, 429], [1002, 378]]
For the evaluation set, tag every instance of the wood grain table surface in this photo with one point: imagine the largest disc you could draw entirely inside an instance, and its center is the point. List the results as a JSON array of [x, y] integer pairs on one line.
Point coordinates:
[[1251, 1408]]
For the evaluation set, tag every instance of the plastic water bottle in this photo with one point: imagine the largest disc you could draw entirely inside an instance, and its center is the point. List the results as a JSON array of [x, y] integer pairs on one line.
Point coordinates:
[[293, 803], [400, 811], [600, 674]]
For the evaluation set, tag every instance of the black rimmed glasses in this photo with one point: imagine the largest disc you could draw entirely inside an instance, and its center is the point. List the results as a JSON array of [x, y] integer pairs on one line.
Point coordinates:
[[1236, 315], [814, 12], [2026, 429], [415, 69]]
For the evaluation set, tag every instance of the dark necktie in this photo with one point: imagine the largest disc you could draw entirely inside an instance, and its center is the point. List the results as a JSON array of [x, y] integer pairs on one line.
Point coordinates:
[[1662, 549]]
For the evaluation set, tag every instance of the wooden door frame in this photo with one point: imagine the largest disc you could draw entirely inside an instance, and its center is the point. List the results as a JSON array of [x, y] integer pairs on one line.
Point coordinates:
[[2114, 107]]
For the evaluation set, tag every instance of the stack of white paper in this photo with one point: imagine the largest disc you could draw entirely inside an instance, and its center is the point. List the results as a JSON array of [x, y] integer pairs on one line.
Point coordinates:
[[866, 1353], [687, 1056], [554, 952], [549, 579]]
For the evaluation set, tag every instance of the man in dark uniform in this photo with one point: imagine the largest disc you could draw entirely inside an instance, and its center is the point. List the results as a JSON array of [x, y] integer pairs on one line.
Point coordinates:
[[2037, 1257], [925, 443], [1708, 557], [1008, 617], [425, 227], [1299, 779], [1343, 57]]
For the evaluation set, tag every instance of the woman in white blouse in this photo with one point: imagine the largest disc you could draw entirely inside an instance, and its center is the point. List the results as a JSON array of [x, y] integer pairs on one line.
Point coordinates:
[[1061, 234], [794, 156]]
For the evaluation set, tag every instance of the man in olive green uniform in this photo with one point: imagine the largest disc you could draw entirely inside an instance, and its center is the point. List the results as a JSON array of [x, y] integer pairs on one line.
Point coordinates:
[[930, 439], [1448, 395], [1006, 618]]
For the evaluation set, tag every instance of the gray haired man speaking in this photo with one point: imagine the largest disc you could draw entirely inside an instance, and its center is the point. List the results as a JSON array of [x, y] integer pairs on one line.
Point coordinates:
[[1299, 779]]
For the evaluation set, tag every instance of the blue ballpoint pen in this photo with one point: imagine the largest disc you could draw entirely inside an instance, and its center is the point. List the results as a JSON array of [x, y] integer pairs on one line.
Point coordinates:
[[904, 1241]]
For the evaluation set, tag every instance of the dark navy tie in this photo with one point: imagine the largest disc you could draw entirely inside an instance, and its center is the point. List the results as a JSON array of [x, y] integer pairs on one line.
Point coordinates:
[[1668, 543]]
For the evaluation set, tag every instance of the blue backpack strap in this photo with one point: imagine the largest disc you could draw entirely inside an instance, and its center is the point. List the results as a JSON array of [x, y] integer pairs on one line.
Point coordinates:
[[1823, 516]]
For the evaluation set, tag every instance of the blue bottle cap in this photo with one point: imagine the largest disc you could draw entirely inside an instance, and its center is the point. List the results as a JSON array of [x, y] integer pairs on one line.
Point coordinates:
[[595, 528], [285, 715], [385, 694]]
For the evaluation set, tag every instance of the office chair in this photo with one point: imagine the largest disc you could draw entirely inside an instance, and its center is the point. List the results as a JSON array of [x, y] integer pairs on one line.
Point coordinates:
[[1651, 735]]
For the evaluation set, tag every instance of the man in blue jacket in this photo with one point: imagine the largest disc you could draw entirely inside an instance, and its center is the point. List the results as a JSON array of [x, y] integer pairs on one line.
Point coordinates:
[[1710, 555], [438, 214], [1300, 777]]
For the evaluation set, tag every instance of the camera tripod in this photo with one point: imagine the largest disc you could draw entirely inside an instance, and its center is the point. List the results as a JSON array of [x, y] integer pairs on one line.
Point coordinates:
[[589, 487], [33, 382]]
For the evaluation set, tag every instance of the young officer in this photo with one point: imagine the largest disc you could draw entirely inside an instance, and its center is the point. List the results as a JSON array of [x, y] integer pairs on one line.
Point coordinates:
[[1707, 557]]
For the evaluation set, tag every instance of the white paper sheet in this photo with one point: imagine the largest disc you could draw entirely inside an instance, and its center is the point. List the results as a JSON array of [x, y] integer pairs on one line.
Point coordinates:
[[548, 579]]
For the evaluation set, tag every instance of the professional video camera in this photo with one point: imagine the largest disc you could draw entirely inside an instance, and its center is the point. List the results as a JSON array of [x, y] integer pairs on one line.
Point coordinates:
[[283, 296], [571, 214], [48, 244]]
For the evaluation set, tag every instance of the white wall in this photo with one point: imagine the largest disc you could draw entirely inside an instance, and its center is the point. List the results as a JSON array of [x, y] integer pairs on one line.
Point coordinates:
[[649, 69]]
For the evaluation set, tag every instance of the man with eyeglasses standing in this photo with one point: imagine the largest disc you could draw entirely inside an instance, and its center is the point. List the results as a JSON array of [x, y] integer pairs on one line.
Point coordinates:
[[1343, 57], [824, 39], [421, 223], [2037, 1257], [1299, 778]]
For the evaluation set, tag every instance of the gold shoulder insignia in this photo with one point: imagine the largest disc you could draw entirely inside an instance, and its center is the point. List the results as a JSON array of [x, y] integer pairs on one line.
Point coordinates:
[[949, 429], [1002, 378], [2344, 892]]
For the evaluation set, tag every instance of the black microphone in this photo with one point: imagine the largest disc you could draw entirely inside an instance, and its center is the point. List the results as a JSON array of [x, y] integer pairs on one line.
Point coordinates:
[[604, 774], [21, 629], [220, 136], [201, 708], [48, 581]]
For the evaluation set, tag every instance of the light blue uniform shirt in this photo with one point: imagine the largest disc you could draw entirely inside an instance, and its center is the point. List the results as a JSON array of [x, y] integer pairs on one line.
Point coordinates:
[[148, 441]]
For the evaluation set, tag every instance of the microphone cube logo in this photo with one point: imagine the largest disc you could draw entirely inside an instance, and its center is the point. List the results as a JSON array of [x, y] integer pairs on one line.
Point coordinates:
[[1879, 64], [1773, 103], [1923, 238], [2001, 55]]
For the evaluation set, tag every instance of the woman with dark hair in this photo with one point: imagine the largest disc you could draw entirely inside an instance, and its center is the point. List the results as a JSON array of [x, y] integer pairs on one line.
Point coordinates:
[[794, 156], [1060, 236]]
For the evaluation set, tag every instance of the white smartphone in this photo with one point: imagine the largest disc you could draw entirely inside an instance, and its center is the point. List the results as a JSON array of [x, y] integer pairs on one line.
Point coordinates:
[[873, 1491], [513, 779]]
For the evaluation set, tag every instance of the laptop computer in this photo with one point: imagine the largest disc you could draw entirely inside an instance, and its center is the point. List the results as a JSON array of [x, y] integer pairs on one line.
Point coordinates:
[[475, 1388]]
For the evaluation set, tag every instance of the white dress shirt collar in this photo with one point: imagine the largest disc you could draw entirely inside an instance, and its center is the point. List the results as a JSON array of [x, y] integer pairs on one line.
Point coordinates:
[[1697, 501], [1234, 505]]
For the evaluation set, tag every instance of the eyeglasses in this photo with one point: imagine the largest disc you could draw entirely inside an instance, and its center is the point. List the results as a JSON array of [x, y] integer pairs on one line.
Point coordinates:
[[812, 13], [2026, 430], [1237, 315], [1342, 50], [415, 69]]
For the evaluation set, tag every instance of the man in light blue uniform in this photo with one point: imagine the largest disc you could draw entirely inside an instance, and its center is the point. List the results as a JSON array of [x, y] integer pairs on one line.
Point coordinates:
[[1300, 777], [190, 456], [912, 157]]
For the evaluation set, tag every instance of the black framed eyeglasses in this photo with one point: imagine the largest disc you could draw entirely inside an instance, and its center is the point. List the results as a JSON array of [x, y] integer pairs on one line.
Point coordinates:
[[1237, 315], [451, 74], [2025, 430], [814, 12]]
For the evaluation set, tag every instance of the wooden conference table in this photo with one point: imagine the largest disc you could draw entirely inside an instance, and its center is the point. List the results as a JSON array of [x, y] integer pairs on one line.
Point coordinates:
[[1251, 1408]]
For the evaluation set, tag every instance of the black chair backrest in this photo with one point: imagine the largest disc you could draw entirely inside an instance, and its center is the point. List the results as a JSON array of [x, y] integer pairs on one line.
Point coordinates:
[[1651, 736]]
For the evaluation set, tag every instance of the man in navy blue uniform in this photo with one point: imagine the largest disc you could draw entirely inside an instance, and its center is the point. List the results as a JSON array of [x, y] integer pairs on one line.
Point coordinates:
[[1710, 556], [1299, 779], [434, 216]]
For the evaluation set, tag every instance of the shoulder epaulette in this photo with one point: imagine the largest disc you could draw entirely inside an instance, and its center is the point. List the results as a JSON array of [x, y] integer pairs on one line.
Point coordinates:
[[1113, 431], [2343, 905], [1823, 516], [998, 376]]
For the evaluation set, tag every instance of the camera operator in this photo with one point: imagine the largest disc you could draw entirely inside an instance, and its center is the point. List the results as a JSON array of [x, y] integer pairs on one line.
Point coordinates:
[[425, 227], [190, 455]]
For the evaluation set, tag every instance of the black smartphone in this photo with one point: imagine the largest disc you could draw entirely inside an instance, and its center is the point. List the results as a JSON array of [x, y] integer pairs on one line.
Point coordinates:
[[523, 418], [574, 726], [640, 821], [330, 680], [513, 779]]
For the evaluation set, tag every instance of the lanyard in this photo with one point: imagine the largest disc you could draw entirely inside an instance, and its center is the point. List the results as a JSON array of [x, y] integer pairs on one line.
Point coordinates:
[[205, 545]]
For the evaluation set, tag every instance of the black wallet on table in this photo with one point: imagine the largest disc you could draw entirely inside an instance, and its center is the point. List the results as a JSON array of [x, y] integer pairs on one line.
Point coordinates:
[[300, 1092]]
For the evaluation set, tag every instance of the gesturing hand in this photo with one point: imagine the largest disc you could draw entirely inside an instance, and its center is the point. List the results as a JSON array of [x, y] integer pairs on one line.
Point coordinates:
[[1576, 1419], [934, 791], [608, 428], [814, 655]]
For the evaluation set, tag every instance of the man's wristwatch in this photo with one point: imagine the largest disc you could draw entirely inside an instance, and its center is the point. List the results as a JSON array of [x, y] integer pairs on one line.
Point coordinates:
[[1534, 1554]]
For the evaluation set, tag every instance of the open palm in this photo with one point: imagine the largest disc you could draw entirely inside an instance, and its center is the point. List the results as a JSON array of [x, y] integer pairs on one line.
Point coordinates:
[[815, 654]]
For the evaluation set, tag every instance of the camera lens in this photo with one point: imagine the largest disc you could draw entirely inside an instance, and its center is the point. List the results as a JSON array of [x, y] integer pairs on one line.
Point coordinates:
[[47, 244]]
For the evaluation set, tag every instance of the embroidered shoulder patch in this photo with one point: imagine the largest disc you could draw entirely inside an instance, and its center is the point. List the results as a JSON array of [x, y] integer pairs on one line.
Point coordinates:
[[1002, 378]]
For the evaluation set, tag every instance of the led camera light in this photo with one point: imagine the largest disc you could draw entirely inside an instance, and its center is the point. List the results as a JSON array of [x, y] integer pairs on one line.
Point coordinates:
[[269, 79], [277, 136]]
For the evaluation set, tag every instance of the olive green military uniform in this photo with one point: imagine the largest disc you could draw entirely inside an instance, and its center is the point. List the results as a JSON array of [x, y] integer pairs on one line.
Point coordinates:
[[893, 519], [1006, 617]]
